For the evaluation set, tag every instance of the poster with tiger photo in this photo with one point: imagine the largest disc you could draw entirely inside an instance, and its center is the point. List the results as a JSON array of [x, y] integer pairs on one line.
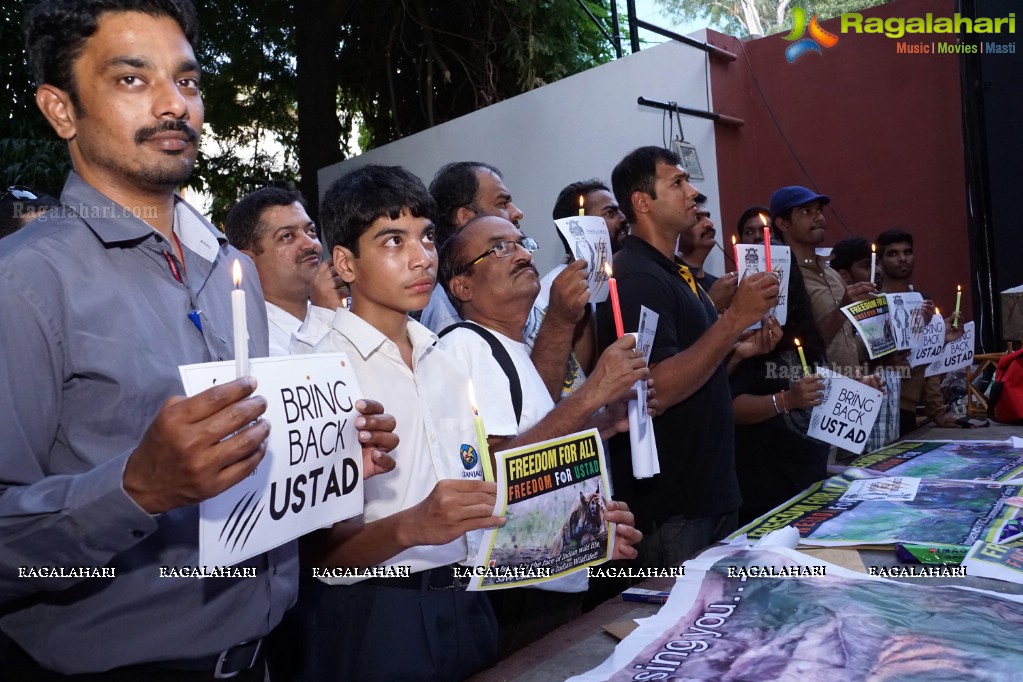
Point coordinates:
[[554, 495]]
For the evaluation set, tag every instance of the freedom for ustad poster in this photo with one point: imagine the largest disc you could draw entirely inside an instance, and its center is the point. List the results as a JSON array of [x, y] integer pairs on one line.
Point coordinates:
[[554, 495], [966, 460], [311, 475], [857, 508], [739, 615]]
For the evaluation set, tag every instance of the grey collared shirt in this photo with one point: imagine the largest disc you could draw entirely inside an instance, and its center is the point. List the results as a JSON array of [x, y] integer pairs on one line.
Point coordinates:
[[94, 326]]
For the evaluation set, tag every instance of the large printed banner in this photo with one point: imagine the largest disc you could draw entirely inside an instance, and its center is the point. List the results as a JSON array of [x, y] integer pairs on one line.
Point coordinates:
[[311, 475], [554, 495], [955, 355], [857, 509], [754, 259], [964, 460], [847, 412], [776, 614], [589, 239]]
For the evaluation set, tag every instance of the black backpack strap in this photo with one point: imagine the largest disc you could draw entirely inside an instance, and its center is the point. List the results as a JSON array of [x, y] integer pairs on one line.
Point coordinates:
[[503, 359]]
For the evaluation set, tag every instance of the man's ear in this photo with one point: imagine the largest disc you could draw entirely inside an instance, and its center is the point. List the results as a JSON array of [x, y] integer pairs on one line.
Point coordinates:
[[460, 288], [344, 263], [640, 202], [58, 110], [781, 225], [464, 215]]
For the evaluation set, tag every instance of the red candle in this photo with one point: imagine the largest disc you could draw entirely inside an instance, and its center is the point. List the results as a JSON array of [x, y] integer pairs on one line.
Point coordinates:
[[616, 307], [767, 242]]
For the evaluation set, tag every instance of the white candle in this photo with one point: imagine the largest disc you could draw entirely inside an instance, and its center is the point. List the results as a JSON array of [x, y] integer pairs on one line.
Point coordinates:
[[873, 261], [241, 327]]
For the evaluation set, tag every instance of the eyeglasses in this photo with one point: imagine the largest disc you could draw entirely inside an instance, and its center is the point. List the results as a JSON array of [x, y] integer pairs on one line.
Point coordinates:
[[502, 250], [20, 193]]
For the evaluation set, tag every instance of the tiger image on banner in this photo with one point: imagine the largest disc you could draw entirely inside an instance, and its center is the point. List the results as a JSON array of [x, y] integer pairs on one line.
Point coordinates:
[[554, 498], [587, 523]]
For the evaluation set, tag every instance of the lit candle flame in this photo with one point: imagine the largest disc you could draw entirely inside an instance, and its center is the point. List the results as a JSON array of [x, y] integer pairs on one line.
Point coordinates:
[[472, 399], [797, 341], [236, 273], [733, 240], [607, 268], [937, 310], [762, 219], [958, 288], [581, 201], [873, 248]]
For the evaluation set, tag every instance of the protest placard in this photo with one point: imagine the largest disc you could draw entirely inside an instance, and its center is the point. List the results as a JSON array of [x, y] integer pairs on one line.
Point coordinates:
[[754, 260], [311, 475], [873, 324], [929, 344], [641, 427], [777, 614], [956, 355], [847, 412], [554, 495], [589, 239], [905, 310]]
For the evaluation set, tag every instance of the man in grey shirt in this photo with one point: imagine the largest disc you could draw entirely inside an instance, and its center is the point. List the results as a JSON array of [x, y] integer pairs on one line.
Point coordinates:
[[104, 461]]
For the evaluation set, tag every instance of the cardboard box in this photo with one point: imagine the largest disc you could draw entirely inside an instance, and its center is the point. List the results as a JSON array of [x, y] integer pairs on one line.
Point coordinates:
[[1012, 314]]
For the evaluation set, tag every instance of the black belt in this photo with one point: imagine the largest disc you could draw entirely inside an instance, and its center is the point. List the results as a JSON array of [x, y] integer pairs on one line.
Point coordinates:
[[440, 578], [226, 664]]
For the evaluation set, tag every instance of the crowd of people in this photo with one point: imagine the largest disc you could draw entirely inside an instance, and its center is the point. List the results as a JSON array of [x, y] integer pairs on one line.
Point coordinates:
[[119, 282]]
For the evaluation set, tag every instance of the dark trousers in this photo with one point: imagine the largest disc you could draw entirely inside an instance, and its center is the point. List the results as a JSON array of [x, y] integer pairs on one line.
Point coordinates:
[[679, 539], [18, 666], [373, 632]]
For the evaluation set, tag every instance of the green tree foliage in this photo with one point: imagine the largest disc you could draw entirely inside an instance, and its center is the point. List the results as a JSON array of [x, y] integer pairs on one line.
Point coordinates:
[[757, 17], [284, 83]]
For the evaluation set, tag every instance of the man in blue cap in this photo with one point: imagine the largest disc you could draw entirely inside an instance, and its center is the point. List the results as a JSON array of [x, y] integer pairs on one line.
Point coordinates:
[[796, 214]]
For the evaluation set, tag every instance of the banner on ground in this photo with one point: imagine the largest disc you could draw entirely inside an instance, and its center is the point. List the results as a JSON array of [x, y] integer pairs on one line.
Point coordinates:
[[776, 614], [311, 475], [963, 459], [939, 512]]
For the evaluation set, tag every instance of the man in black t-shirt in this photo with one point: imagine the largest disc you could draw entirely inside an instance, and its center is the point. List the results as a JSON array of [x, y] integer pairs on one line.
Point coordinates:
[[693, 501]]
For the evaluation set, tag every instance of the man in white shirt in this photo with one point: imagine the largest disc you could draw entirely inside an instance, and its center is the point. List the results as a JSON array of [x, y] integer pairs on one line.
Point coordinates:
[[488, 272], [272, 227]]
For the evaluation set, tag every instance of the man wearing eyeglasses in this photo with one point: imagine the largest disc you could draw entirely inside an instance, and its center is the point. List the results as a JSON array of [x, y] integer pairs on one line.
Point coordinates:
[[797, 214], [464, 190], [488, 273]]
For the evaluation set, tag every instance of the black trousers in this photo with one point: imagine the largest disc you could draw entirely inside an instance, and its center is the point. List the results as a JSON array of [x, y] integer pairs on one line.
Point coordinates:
[[374, 632]]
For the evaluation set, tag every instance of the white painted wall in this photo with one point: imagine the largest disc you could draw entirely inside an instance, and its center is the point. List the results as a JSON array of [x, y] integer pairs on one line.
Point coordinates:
[[575, 129]]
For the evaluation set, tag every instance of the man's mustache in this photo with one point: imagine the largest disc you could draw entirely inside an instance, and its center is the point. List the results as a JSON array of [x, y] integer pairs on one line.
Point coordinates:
[[176, 125]]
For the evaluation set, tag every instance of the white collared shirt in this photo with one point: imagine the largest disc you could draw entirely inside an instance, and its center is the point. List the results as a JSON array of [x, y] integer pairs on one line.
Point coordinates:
[[434, 420], [283, 325]]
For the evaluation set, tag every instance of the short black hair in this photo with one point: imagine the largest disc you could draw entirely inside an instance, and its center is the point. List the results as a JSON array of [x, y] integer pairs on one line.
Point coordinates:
[[567, 204], [451, 259], [244, 222], [357, 199], [56, 31], [889, 237], [14, 211], [637, 172], [756, 209], [848, 251], [453, 187]]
